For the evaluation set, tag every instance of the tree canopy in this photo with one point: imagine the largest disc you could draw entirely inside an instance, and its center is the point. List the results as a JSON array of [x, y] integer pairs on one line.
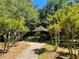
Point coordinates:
[[18, 9]]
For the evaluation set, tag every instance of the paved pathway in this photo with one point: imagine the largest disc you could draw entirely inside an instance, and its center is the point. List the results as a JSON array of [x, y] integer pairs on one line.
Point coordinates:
[[28, 53]]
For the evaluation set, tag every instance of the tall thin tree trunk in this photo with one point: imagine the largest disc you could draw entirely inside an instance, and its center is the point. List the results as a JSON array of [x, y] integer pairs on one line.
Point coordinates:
[[5, 44], [56, 41]]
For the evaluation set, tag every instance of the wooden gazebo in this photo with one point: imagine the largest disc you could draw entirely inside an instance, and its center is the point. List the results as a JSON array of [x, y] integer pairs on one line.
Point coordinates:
[[40, 28]]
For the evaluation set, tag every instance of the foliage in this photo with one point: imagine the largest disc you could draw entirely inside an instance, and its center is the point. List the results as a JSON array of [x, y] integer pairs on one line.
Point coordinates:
[[13, 14], [50, 8], [18, 9], [66, 18], [7, 24], [10, 28]]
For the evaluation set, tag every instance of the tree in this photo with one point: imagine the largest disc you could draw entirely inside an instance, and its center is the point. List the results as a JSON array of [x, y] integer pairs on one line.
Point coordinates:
[[68, 19], [11, 29], [49, 9], [13, 14], [54, 31], [18, 9]]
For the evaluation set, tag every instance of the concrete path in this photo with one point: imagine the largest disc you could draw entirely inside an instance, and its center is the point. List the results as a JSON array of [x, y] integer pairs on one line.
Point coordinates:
[[29, 52]]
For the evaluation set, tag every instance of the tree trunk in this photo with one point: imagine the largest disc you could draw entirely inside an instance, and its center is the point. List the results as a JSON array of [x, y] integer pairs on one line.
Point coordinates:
[[56, 41], [5, 43], [77, 57]]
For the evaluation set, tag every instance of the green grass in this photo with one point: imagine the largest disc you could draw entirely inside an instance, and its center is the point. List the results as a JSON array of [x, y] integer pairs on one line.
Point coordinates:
[[48, 47], [45, 54], [1, 45]]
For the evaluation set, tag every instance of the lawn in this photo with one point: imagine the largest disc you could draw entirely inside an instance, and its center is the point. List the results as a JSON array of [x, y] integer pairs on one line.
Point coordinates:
[[45, 55], [1, 45], [48, 47]]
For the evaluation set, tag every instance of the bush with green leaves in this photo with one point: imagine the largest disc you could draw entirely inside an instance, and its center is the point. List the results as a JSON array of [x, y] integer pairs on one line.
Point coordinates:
[[11, 30]]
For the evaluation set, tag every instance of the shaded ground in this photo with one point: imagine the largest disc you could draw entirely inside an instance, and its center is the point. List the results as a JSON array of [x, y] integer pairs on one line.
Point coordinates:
[[15, 51]]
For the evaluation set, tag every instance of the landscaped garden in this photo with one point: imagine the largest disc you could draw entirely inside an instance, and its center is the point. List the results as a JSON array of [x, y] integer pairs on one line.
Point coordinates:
[[29, 31]]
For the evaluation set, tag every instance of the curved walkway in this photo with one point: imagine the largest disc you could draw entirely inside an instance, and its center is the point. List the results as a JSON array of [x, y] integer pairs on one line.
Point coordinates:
[[29, 52]]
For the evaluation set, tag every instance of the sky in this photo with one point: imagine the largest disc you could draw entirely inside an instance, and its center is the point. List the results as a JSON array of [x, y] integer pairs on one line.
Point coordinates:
[[39, 3]]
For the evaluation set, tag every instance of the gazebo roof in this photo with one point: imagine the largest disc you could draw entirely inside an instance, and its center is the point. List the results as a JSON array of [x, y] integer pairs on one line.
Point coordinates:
[[40, 28]]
